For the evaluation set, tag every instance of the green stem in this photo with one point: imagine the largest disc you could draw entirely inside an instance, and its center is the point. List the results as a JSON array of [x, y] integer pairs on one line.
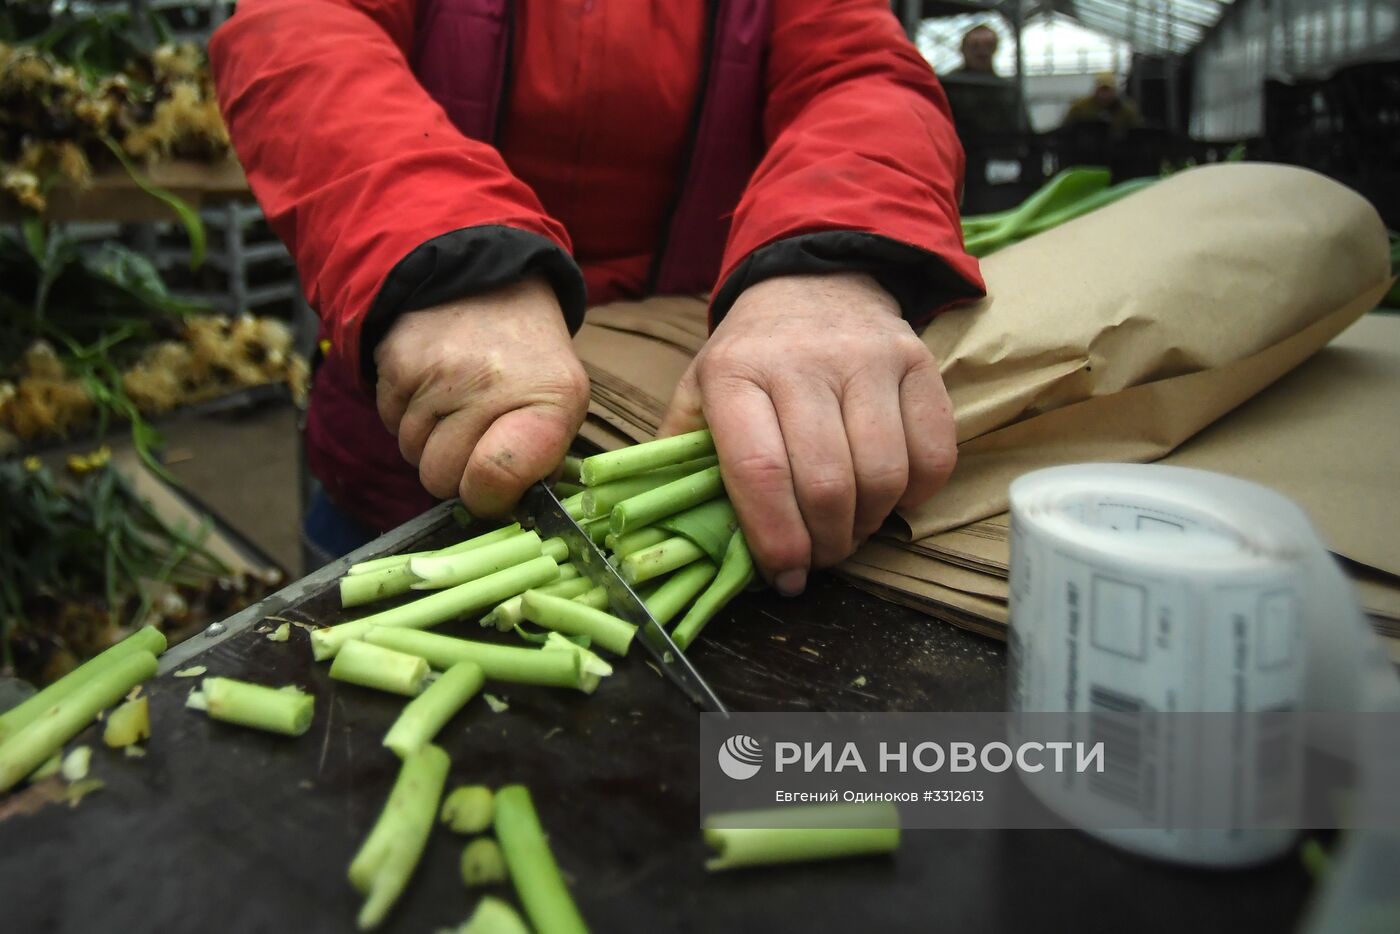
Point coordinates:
[[600, 500], [569, 470], [623, 545], [673, 553], [482, 863], [469, 809], [387, 858], [563, 488], [148, 639], [508, 614], [493, 916], [734, 575], [374, 666], [429, 712], [573, 506], [597, 529], [286, 710], [538, 883], [639, 458], [677, 496], [555, 548], [500, 662], [679, 589], [488, 538], [377, 584], [439, 571], [439, 607], [576, 619], [801, 834], [27, 748]]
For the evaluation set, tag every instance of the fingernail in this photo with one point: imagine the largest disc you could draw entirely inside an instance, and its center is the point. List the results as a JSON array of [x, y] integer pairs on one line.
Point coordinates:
[[791, 583]]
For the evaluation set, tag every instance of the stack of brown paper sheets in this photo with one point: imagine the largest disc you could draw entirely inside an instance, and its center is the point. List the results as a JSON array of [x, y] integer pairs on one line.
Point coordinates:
[[1183, 325]]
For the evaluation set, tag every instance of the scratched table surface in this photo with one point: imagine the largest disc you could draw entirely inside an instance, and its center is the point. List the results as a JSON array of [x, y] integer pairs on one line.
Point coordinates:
[[224, 829]]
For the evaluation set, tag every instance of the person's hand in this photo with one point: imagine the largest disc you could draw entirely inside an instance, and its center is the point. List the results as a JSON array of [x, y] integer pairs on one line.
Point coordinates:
[[484, 393], [827, 413]]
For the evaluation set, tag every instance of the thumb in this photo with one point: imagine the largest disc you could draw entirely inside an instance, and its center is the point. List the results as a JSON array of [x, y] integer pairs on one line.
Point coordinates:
[[686, 412], [520, 447]]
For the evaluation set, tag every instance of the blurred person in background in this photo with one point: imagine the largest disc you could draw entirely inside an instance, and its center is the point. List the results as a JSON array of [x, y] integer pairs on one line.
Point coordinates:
[[983, 102], [1106, 105]]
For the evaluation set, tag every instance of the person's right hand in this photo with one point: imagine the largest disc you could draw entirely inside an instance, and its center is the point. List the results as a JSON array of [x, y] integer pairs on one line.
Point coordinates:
[[484, 393]]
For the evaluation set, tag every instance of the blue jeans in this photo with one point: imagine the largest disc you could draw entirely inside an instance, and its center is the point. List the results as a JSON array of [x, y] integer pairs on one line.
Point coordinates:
[[329, 532]]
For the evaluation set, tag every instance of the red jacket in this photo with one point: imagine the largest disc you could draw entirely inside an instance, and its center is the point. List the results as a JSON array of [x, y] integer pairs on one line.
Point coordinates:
[[363, 176]]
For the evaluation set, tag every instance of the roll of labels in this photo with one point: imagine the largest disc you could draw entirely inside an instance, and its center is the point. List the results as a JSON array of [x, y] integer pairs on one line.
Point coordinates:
[[1146, 589]]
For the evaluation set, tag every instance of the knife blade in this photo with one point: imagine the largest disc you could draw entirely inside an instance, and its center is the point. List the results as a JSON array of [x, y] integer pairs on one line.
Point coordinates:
[[540, 508]]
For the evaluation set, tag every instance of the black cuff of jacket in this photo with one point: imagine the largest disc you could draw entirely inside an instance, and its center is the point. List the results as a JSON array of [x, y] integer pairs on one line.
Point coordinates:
[[920, 281], [465, 262]]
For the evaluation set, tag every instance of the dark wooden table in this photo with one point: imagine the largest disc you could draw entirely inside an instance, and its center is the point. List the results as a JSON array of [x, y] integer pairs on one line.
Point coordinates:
[[224, 829]]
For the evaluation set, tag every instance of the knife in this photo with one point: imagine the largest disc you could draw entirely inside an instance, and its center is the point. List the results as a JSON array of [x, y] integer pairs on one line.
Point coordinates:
[[540, 508]]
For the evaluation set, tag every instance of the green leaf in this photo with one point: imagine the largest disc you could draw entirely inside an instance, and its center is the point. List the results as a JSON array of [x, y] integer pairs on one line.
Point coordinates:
[[194, 227]]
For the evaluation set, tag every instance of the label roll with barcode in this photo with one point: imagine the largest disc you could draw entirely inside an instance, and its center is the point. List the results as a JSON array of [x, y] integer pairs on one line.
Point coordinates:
[[1140, 593]]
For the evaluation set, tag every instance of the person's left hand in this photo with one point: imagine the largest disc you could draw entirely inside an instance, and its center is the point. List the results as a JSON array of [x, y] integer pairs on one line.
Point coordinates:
[[827, 413]]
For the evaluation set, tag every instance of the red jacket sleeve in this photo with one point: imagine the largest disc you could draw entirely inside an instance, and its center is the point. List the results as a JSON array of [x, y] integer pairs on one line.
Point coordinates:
[[862, 162], [358, 169]]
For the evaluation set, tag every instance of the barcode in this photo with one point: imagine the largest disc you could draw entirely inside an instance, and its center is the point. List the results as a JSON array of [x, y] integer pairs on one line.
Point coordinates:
[[1275, 765], [1115, 720]]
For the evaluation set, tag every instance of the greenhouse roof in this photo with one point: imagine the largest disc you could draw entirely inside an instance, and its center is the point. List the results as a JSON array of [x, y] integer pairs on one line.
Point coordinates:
[[1150, 26], [1153, 27]]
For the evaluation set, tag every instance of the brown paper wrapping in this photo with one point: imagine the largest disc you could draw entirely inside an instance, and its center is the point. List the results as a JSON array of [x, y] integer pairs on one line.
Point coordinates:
[[1119, 335]]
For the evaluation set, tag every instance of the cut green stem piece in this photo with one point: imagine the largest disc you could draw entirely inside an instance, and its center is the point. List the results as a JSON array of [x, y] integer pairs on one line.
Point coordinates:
[[76, 764], [493, 916], [12, 721], [734, 575], [439, 607], [623, 545], [286, 710], [429, 712], [573, 506], [374, 666], [438, 571], [597, 529], [129, 723], [639, 458], [555, 548], [577, 619], [534, 872], [569, 469], [666, 602], [507, 615], [44, 735], [676, 496], [482, 863], [508, 663], [469, 809], [800, 834], [591, 662], [387, 858], [564, 489], [488, 538], [600, 500], [379, 584], [596, 597], [673, 553]]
